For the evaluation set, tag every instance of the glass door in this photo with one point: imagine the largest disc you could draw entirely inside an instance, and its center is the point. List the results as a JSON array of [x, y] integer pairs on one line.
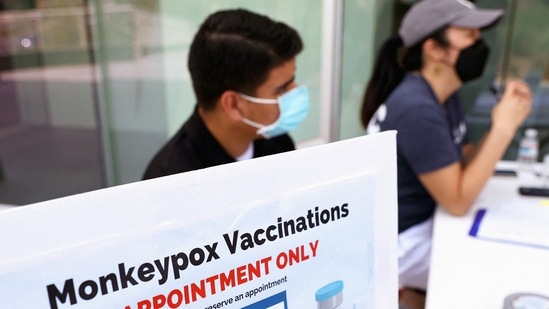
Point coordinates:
[[49, 138], [519, 46]]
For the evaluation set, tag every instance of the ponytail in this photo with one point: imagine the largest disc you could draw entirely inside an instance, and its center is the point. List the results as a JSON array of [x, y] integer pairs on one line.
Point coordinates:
[[389, 70], [387, 74]]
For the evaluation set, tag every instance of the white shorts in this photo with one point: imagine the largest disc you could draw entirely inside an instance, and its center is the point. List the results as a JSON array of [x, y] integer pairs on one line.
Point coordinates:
[[414, 255]]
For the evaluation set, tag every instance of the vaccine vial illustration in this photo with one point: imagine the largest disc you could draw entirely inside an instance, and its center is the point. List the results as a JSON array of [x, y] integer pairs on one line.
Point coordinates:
[[330, 296]]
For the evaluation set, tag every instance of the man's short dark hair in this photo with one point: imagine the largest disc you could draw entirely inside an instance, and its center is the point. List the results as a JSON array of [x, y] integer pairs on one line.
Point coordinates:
[[236, 50]]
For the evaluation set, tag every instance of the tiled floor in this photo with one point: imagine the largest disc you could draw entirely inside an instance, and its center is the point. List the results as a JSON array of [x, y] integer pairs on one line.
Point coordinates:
[[39, 163]]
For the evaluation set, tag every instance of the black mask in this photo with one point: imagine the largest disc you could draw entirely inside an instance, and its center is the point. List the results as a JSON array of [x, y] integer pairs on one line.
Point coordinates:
[[472, 60]]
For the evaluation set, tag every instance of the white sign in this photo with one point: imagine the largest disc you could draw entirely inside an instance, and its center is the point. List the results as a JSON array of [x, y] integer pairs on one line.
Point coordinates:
[[294, 230]]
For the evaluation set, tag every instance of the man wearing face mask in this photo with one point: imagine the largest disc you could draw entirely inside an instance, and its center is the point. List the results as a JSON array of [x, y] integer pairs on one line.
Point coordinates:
[[414, 90], [242, 66]]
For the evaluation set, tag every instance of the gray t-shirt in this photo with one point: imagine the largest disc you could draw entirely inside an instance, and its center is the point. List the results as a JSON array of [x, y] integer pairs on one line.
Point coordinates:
[[430, 136]]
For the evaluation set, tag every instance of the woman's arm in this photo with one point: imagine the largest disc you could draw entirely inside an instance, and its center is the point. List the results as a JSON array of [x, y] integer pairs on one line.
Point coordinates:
[[468, 153], [456, 187]]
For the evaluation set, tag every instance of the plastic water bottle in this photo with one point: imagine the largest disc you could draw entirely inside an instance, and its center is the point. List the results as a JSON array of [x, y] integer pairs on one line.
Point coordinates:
[[527, 157]]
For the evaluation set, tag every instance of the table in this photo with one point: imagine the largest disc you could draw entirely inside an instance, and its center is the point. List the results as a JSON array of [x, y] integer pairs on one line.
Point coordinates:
[[470, 273]]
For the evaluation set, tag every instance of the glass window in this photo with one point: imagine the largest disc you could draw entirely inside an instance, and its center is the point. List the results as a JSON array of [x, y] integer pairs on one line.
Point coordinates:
[[519, 45], [49, 140], [366, 25]]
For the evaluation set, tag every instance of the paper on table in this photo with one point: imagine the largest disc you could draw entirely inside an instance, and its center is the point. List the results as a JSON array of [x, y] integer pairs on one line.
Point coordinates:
[[519, 221]]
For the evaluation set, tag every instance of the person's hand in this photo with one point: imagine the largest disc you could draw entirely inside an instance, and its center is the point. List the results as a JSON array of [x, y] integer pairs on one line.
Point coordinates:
[[514, 107]]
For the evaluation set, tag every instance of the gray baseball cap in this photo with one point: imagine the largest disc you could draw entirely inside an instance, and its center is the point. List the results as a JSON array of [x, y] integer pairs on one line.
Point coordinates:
[[427, 16]]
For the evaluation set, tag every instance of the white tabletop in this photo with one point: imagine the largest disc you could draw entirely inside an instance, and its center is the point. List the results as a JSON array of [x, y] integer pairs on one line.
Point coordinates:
[[468, 272]]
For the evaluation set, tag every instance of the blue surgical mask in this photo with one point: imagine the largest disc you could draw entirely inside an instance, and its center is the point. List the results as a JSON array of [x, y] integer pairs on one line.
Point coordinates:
[[293, 106]]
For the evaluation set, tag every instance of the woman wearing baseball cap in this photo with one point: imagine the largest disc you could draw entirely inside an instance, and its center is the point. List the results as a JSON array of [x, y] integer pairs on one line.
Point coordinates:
[[413, 90]]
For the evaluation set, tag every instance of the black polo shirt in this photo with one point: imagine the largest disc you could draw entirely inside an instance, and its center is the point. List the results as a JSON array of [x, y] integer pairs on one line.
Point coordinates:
[[194, 147]]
